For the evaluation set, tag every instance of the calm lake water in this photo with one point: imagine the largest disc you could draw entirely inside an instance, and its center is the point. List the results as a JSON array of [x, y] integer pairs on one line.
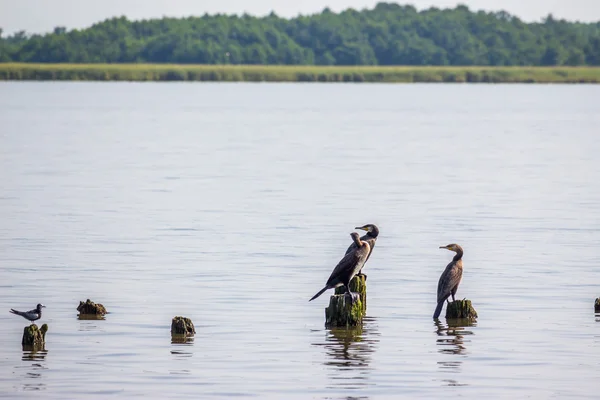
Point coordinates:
[[231, 204]]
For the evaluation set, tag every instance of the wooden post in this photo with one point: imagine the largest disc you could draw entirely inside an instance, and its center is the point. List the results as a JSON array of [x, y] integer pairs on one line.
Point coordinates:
[[597, 305], [358, 284], [181, 329], [343, 312], [91, 308], [34, 336], [461, 309]]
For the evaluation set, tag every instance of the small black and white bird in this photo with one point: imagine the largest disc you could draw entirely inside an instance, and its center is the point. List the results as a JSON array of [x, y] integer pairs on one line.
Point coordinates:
[[31, 315]]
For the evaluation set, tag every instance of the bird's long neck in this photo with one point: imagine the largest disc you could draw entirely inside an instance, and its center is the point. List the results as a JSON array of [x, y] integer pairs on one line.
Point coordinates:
[[459, 254], [357, 240], [374, 233]]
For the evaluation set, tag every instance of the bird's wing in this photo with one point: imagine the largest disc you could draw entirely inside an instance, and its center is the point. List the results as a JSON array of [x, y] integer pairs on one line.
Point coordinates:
[[364, 238], [346, 264], [448, 279]]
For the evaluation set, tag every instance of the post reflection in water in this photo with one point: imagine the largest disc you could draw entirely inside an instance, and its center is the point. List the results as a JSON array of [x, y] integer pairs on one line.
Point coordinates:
[[88, 323], [452, 342], [34, 356], [349, 353]]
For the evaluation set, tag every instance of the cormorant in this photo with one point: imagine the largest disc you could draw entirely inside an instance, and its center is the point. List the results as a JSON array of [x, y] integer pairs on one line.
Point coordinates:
[[450, 278], [348, 266], [371, 237], [31, 315]]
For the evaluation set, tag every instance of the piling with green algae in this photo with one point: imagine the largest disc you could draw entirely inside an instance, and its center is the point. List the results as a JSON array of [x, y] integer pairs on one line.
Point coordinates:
[[344, 312], [358, 284], [34, 336], [461, 309], [597, 305]]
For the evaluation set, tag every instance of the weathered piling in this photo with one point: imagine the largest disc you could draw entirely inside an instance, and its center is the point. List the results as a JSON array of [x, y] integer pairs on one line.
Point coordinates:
[[358, 284], [343, 311], [597, 305], [462, 309], [182, 326], [34, 336], [91, 308]]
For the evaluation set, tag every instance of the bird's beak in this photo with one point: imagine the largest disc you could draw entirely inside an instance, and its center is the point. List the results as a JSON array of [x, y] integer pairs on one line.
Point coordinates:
[[444, 247], [362, 227], [43, 306]]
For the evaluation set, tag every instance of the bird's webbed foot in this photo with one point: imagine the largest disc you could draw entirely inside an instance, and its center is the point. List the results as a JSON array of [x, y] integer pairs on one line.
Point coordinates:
[[360, 274]]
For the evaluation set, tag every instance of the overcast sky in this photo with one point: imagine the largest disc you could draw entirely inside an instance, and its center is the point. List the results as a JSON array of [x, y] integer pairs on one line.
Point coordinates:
[[37, 16]]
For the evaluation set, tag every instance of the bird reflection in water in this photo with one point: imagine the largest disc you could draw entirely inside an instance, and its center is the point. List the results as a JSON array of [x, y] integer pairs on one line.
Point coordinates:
[[349, 353], [452, 342], [34, 355]]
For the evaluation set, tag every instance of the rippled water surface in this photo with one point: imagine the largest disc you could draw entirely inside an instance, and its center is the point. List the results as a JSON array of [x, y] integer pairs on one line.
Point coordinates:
[[231, 203]]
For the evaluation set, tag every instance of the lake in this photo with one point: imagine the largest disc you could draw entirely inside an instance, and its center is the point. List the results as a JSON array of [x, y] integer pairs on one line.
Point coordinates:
[[231, 204]]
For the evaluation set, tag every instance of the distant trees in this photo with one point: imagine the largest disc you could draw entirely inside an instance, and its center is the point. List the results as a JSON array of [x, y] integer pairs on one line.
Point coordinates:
[[388, 34]]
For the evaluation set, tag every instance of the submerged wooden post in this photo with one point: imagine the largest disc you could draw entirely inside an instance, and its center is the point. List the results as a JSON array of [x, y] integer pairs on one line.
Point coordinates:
[[461, 309], [597, 305], [91, 308], [358, 284], [182, 326], [34, 336]]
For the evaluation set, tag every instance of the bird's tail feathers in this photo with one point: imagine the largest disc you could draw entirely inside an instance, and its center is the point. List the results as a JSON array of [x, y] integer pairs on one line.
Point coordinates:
[[438, 309], [320, 293]]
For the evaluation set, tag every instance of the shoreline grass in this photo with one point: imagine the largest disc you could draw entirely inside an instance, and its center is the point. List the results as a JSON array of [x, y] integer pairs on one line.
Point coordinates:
[[281, 73]]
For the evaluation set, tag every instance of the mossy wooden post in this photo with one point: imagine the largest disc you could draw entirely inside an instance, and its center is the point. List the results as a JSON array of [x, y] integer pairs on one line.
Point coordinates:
[[91, 308], [341, 311], [462, 309], [358, 284], [597, 305], [34, 336], [182, 326]]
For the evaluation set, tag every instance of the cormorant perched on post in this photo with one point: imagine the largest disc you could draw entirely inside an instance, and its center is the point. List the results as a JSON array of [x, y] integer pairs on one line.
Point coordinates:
[[450, 278], [31, 315], [348, 266], [371, 237]]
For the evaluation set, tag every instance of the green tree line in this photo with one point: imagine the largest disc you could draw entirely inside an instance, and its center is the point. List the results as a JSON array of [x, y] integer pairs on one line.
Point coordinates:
[[388, 34]]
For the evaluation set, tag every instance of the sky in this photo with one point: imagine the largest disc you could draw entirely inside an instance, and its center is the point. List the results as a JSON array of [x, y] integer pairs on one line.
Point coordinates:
[[40, 16]]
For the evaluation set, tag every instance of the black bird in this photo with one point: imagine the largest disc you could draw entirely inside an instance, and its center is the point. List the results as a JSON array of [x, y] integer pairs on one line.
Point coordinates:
[[371, 237], [32, 315], [450, 278], [348, 266]]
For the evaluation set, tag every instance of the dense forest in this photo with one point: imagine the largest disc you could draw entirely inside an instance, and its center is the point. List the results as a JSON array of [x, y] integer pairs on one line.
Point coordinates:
[[388, 34]]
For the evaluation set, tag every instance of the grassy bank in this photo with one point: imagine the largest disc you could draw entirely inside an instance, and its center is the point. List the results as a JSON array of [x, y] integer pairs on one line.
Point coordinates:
[[278, 73]]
